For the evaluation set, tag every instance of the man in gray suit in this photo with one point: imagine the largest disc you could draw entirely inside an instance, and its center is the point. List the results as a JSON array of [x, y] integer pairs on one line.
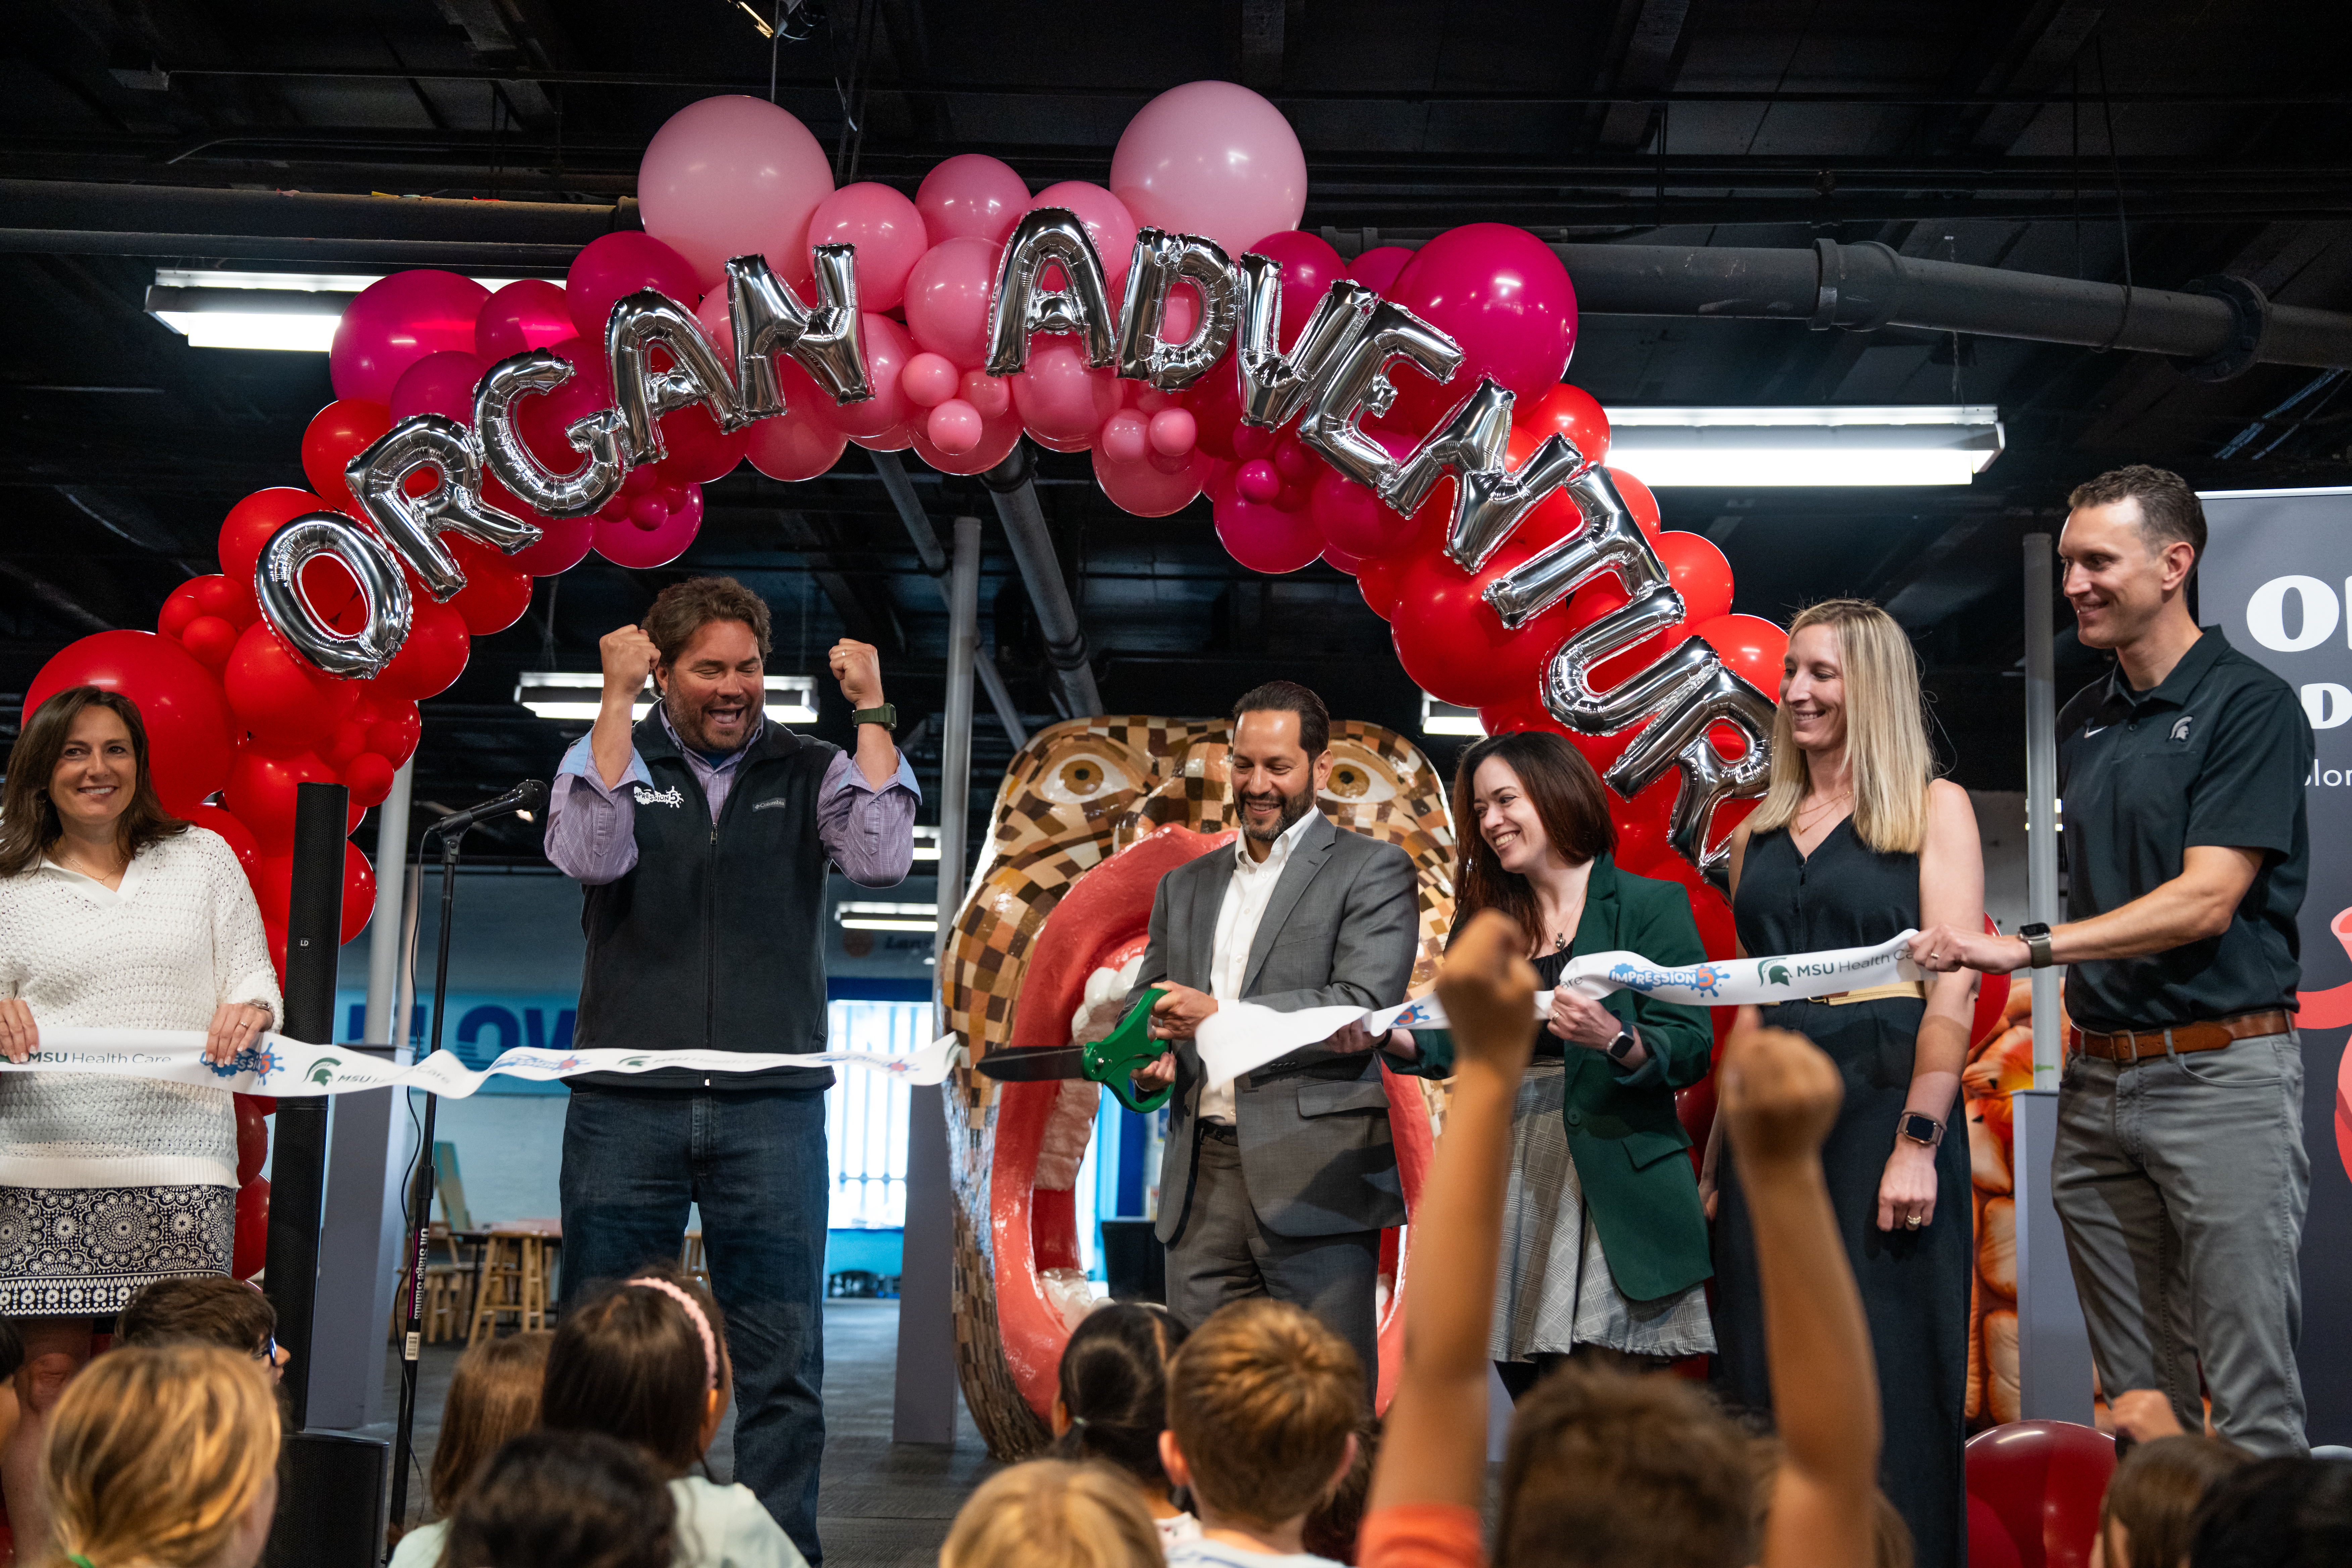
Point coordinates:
[[1280, 1184]]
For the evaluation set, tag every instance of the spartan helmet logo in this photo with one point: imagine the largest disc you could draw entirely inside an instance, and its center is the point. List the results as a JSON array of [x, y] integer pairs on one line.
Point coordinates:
[[1773, 973], [2180, 726]]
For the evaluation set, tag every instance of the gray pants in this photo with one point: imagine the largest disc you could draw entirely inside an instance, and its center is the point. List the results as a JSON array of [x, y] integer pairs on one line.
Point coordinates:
[[1222, 1255], [2181, 1183]]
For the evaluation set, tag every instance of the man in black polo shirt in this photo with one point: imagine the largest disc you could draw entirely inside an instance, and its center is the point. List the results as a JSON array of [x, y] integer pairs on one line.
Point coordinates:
[[2179, 1176]]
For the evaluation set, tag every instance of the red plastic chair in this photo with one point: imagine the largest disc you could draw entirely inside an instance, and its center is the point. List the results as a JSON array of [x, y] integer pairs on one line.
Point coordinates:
[[2042, 1480]]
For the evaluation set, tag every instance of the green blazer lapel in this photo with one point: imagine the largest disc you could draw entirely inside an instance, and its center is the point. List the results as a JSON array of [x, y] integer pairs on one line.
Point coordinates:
[[1596, 930], [1307, 858]]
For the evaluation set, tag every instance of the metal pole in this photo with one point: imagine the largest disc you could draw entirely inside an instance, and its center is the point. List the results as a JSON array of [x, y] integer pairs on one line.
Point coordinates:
[[1041, 571], [385, 930], [923, 1403], [901, 490], [2041, 795]]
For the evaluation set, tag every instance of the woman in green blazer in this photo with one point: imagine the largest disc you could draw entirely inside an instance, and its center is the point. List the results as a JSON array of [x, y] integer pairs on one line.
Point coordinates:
[[1604, 1243]]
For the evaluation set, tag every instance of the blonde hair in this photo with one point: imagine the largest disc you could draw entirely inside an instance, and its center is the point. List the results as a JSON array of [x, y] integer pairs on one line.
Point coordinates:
[[1885, 732], [1263, 1398], [1053, 1513], [156, 1455]]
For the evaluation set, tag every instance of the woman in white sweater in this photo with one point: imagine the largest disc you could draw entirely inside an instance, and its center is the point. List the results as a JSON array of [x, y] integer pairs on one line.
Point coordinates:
[[113, 914]]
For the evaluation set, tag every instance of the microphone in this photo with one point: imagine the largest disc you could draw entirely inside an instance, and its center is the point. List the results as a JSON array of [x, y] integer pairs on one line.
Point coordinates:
[[528, 796]]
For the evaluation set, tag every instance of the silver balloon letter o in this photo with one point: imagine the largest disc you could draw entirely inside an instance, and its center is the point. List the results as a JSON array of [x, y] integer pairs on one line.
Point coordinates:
[[384, 594]]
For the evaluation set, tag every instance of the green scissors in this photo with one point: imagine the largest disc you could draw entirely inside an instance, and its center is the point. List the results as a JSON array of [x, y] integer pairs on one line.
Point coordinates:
[[1113, 1061]]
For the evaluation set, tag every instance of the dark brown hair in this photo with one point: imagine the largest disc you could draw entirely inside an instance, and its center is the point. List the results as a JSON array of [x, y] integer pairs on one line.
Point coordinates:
[[493, 1395], [2278, 1513], [1568, 800], [1605, 1468], [564, 1500], [2154, 1493], [1330, 1531], [2168, 509], [1289, 696], [28, 817], [210, 1310], [1114, 1386], [684, 608], [1262, 1398], [629, 1360]]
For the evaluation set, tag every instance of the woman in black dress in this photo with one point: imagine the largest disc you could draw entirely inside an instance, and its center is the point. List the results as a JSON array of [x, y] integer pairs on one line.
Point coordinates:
[[1856, 841]]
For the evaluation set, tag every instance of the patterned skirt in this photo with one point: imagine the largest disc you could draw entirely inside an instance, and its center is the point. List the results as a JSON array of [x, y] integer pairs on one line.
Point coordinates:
[[1555, 1293], [85, 1251]]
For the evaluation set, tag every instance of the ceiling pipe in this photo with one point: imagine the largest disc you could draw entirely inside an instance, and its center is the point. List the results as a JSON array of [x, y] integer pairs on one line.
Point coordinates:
[[1041, 569], [901, 490]]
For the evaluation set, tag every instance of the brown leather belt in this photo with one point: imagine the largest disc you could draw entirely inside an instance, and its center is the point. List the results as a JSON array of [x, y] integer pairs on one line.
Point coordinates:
[[2132, 1046]]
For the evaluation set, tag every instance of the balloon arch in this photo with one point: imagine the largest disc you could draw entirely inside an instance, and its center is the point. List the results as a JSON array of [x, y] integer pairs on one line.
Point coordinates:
[[1401, 417]]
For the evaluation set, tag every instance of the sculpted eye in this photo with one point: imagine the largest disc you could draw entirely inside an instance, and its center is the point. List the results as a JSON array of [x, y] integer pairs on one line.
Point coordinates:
[[1359, 780], [1085, 776]]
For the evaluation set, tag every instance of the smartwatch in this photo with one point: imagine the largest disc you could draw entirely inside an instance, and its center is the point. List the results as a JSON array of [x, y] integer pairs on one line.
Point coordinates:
[[2036, 938], [885, 715], [1623, 1046], [1920, 1128]]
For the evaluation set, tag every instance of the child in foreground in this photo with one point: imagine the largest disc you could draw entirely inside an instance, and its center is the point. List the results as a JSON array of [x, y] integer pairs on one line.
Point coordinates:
[[493, 1396], [1052, 1513], [565, 1500], [1605, 1470], [205, 1309], [1112, 1402]]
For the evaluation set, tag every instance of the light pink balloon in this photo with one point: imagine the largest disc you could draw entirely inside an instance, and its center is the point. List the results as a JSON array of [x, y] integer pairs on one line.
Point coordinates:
[[1059, 398], [887, 350], [1125, 438], [1174, 431], [997, 437], [971, 197], [733, 176], [930, 380], [1143, 490], [989, 394], [887, 232], [1211, 158], [1109, 224], [947, 299], [955, 427]]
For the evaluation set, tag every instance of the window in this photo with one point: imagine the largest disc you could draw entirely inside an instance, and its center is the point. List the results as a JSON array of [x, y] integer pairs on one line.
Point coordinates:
[[866, 1113]]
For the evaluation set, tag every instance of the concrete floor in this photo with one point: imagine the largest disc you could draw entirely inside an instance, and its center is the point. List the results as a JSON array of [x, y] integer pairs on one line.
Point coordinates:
[[880, 1505]]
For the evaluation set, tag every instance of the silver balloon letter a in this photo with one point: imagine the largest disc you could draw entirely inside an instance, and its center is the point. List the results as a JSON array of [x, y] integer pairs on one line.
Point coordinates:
[[640, 323], [1020, 306]]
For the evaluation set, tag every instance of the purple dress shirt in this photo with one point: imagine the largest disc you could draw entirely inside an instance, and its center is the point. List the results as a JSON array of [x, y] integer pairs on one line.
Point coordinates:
[[592, 830]]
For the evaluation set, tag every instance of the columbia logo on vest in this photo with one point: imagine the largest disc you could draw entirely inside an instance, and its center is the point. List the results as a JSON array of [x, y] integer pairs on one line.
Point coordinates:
[[669, 796]]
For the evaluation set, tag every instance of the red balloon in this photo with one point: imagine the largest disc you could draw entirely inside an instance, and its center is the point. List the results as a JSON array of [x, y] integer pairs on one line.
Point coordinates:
[[260, 793], [1752, 646], [2045, 1481], [1265, 538], [210, 638], [251, 521], [1502, 295], [252, 1139], [1450, 639], [179, 607], [251, 1249], [180, 704], [397, 320], [530, 314], [1572, 411], [1639, 500], [496, 590], [438, 383], [1515, 714], [272, 876], [1992, 998], [1377, 268], [334, 593], [280, 695], [1699, 572], [359, 892], [432, 658], [369, 778], [622, 262], [234, 833], [1215, 401], [345, 742], [1708, 910], [1352, 517], [230, 600], [1309, 268], [393, 725], [1989, 1542], [1380, 577]]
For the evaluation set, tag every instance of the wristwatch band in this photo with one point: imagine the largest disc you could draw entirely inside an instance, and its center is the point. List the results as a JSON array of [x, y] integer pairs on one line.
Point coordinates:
[[885, 715], [2036, 938], [1920, 1128], [1623, 1046]]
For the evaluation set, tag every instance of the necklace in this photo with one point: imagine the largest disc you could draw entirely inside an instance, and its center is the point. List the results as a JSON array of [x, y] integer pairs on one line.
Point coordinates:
[[1823, 804], [73, 862]]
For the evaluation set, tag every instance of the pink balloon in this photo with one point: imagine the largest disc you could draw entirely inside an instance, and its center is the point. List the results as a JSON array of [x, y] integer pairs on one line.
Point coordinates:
[[1309, 268], [1265, 538], [397, 320], [955, 427], [930, 380], [1174, 431], [998, 437], [947, 299], [1258, 481], [1125, 438], [1108, 224], [991, 394], [1063, 442], [563, 543], [1353, 519], [1339, 559], [1211, 158], [717, 324], [612, 264], [529, 314], [1378, 267], [1059, 398], [887, 351], [1143, 490], [623, 543], [897, 438], [797, 443], [887, 232], [971, 197], [732, 176], [438, 383], [1500, 293]]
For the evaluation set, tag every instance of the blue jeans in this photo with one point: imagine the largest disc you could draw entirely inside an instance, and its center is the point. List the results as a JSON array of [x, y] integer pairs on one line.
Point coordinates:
[[755, 1160]]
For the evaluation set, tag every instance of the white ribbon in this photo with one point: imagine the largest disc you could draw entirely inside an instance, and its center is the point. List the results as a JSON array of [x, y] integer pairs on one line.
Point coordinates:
[[289, 1069], [1240, 1036]]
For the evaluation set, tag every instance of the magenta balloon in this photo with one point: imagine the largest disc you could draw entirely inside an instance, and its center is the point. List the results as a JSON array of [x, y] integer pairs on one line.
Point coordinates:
[[1265, 538], [1109, 224], [438, 383], [955, 427], [1125, 438], [733, 176], [1058, 398], [887, 232], [563, 543], [887, 350], [1378, 267], [1144, 489], [1309, 268], [800, 443], [1353, 519], [971, 197], [397, 320], [530, 314], [947, 299], [1258, 481], [611, 264], [623, 543], [1500, 293], [1211, 158]]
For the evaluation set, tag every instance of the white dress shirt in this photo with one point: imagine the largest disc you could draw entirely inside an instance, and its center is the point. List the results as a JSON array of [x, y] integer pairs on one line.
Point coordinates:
[[1246, 896]]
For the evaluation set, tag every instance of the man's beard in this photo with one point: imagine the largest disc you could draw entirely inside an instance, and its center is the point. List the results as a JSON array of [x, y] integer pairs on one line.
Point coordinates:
[[690, 729], [1294, 807]]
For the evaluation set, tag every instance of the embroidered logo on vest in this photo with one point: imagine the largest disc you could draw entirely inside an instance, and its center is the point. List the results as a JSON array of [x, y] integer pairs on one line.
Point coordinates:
[[669, 796], [2180, 726]]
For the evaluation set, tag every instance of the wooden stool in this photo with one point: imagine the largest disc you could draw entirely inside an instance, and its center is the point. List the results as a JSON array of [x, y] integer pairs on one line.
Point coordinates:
[[691, 1261], [513, 1277]]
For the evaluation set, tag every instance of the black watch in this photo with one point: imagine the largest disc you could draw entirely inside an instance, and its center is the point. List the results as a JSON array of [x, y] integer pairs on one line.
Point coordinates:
[[1920, 1128], [884, 715], [1623, 1046], [2036, 938]]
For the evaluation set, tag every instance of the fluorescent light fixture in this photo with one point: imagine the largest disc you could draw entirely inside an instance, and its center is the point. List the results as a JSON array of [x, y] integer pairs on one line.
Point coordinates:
[[864, 914], [296, 312], [1448, 718], [578, 694], [1738, 448]]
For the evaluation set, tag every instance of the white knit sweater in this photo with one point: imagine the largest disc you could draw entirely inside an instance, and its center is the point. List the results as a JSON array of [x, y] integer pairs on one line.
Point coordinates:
[[179, 937]]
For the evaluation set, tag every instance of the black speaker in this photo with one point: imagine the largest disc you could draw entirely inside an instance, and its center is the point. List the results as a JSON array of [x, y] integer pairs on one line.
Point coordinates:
[[1134, 1262], [330, 1502]]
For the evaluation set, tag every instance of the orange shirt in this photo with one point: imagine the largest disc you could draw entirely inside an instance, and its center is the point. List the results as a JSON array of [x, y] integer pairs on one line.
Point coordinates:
[[1421, 1535]]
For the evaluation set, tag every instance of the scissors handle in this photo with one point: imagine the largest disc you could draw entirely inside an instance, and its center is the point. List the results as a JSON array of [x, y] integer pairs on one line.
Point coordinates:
[[1113, 1061]]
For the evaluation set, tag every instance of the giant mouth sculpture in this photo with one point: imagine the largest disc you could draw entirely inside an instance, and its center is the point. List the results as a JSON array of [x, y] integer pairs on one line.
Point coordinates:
[[1047, 935]]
